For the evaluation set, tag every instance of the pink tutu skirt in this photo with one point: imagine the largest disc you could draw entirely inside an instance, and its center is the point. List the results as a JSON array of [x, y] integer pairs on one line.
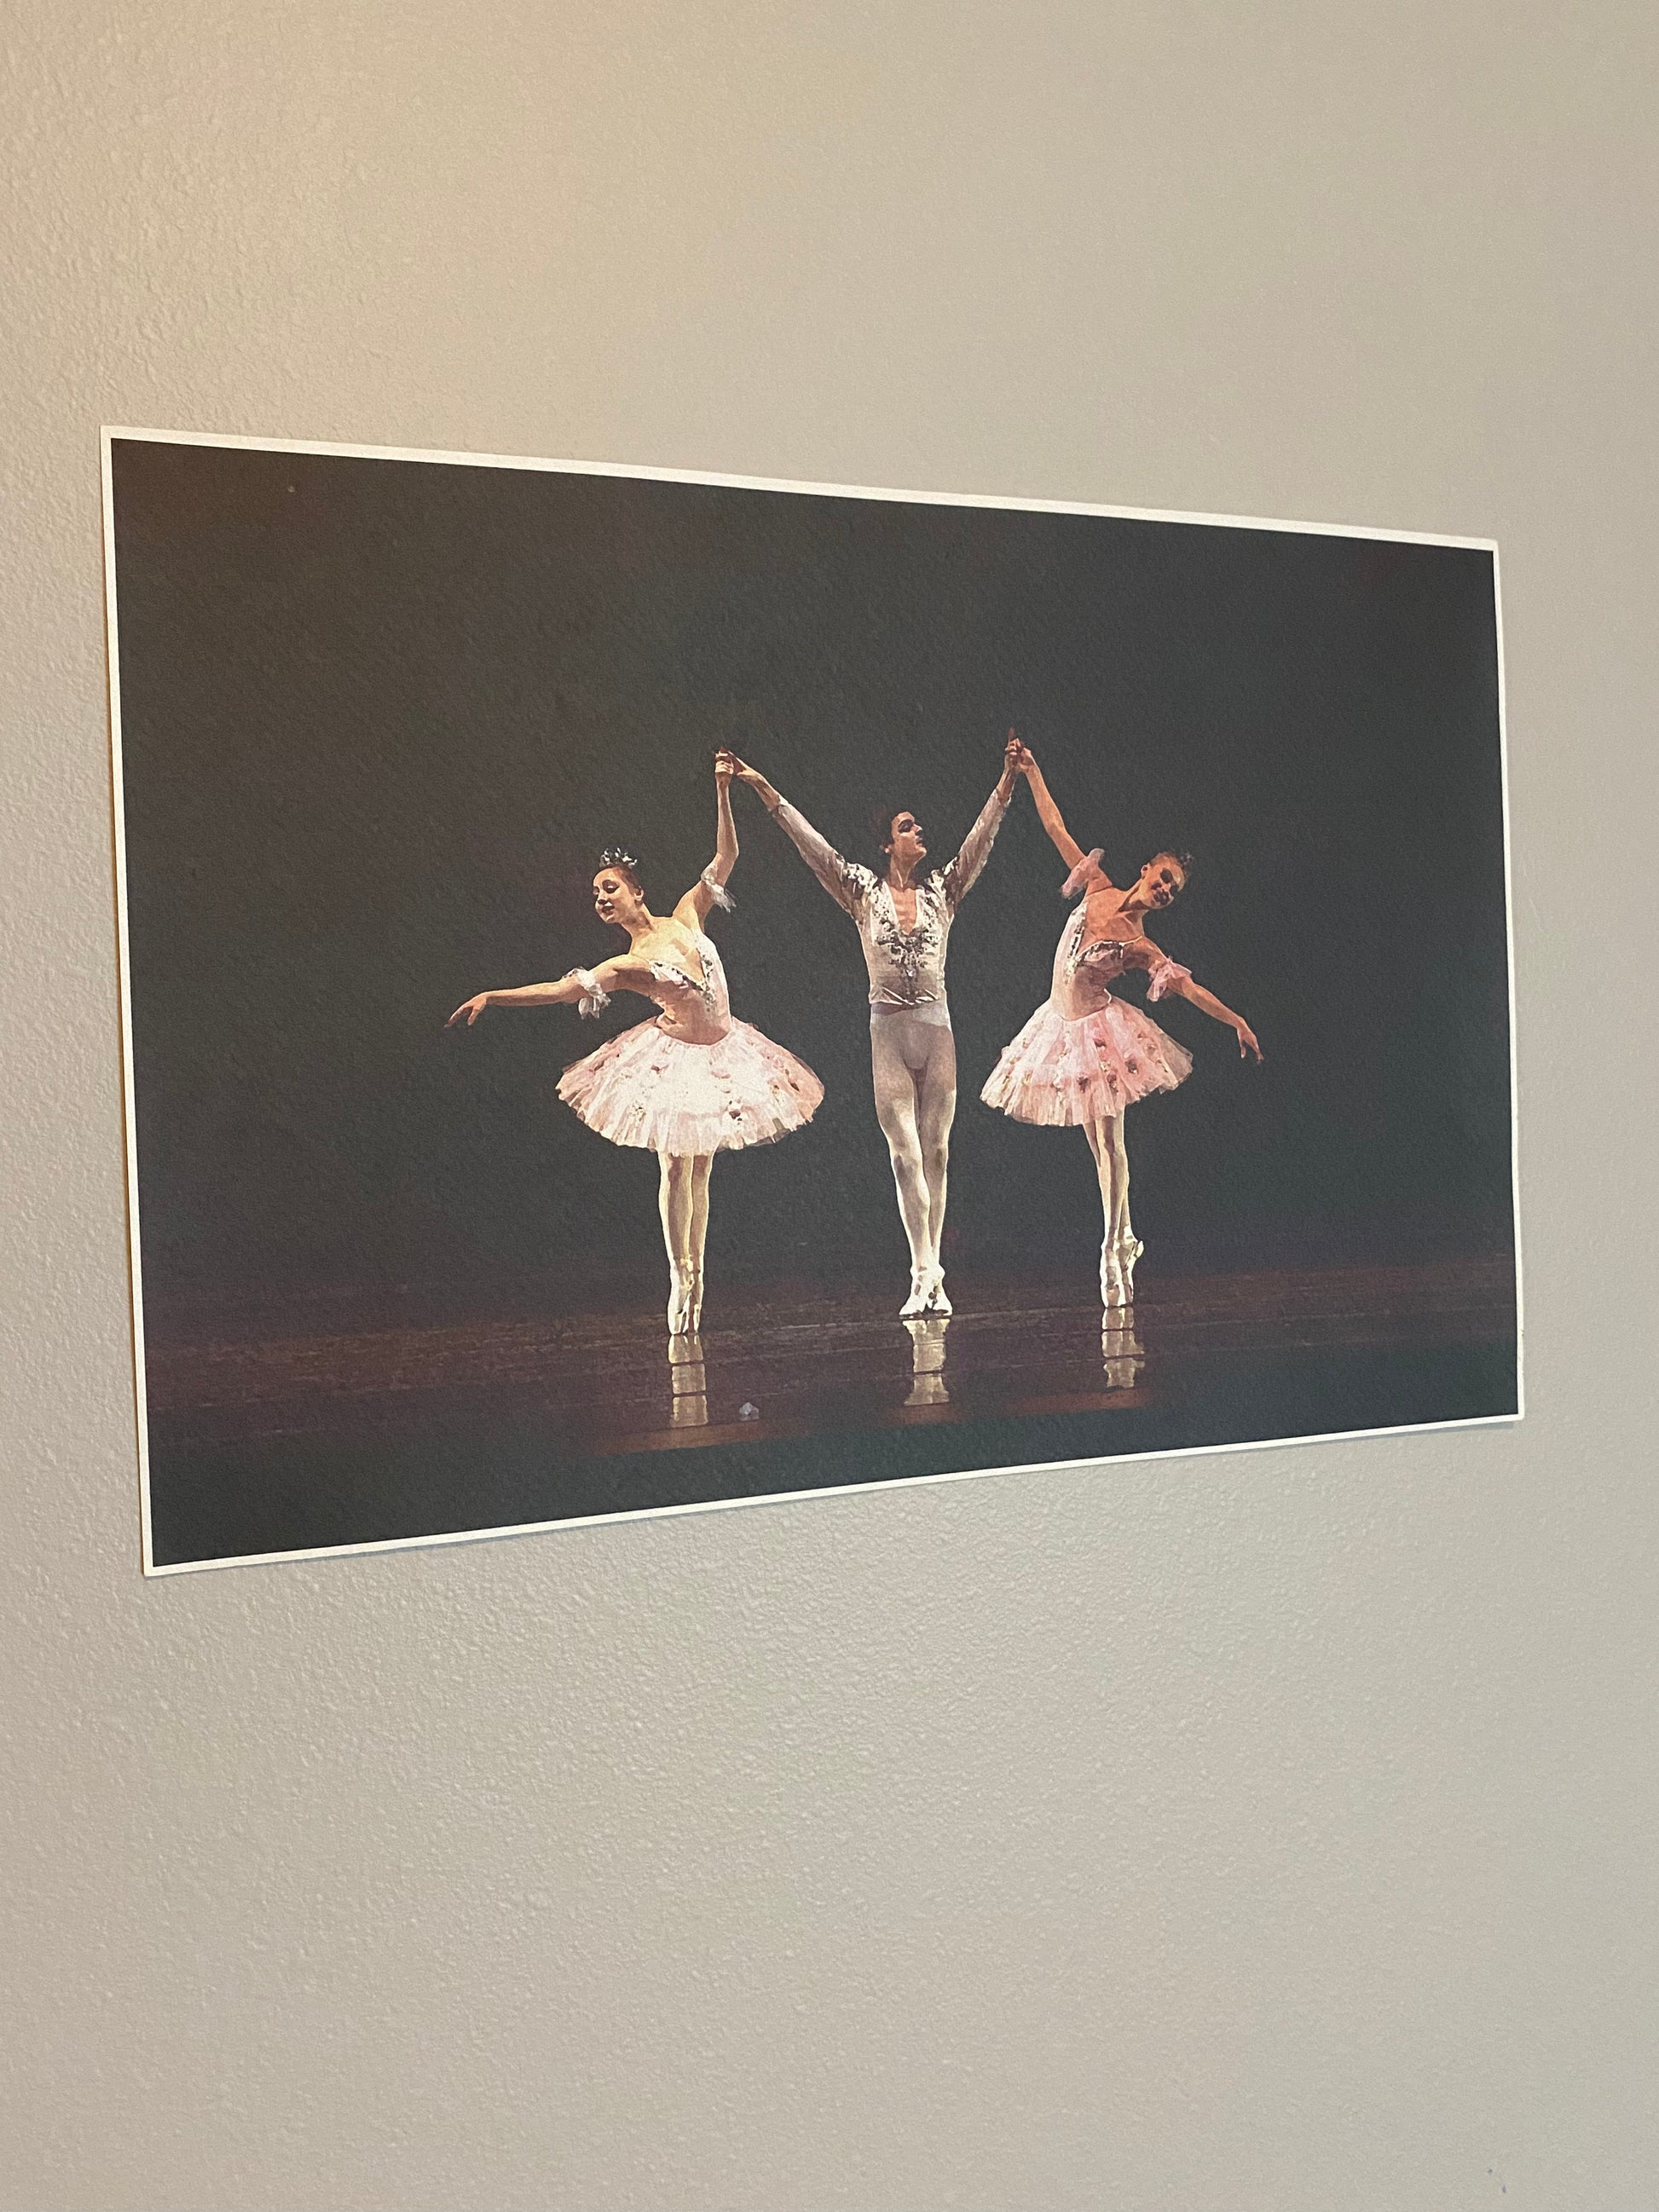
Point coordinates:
[[1061, 1073], [659, 1092]]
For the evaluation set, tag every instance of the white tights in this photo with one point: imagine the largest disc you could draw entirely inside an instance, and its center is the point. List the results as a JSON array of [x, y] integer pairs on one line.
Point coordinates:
[[683, 1202], [1112, 1167], [914, 1062]]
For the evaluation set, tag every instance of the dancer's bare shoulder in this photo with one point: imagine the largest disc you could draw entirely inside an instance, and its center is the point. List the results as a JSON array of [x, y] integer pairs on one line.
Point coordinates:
[[622, 971], [673, 944]]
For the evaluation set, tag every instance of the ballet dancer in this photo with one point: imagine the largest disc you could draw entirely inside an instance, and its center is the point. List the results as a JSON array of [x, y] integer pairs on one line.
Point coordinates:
[[1085, 1056], [689, 1085], [903, 919]]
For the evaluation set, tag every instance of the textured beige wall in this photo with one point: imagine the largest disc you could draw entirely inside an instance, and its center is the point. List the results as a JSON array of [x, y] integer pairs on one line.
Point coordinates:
[[1270, 1832]]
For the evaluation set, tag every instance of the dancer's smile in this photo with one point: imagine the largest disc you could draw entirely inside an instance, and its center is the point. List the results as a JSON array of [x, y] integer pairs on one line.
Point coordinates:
[[1162, 881], [609, 894]]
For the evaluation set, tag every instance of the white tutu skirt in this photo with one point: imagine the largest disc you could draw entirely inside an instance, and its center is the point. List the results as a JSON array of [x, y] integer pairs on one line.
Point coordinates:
[[659, 1092], [1060, 1073]]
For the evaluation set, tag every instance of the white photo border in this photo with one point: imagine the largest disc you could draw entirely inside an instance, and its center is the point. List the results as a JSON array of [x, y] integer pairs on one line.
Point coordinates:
[[111, 434]]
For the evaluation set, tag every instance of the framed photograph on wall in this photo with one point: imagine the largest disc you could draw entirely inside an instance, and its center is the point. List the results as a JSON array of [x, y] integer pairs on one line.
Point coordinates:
[[645, 991]]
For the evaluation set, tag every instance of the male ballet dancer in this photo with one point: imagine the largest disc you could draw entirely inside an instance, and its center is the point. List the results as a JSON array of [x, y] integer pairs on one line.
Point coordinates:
[[903, 920]]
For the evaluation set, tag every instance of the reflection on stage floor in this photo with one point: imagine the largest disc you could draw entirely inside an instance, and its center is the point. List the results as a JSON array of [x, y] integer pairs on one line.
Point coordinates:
[[786, 1360]]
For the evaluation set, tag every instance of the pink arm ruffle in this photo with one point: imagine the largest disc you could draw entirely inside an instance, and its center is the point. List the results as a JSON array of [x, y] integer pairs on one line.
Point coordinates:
[[594, 999], [1164, 976], [1079, 875]]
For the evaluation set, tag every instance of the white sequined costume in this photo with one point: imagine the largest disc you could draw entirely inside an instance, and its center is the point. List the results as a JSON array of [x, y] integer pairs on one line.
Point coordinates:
[[913, 1054], [906, 966]]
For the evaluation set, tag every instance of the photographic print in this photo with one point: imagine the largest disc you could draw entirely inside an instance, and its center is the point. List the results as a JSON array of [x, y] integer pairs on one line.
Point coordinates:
[[645, 991]]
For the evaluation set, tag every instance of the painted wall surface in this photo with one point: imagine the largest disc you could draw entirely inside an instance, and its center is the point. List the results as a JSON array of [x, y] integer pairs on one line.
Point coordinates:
[[1271, 1831]]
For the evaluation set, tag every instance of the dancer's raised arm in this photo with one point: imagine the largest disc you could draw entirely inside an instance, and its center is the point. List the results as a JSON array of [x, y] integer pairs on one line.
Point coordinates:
[[959, 876], [709, 890], [847, 883], [1051, 820]]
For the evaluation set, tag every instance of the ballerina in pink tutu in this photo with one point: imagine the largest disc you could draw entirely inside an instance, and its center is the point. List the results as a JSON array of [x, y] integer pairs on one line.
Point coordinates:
[[692, 1082], [1085, 1056]]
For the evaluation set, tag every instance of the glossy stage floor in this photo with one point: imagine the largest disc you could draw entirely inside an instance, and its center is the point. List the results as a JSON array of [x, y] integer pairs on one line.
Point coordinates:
[[392, 1415]]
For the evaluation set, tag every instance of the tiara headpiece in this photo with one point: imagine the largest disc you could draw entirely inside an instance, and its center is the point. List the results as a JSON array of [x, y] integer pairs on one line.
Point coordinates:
[[618, 856]]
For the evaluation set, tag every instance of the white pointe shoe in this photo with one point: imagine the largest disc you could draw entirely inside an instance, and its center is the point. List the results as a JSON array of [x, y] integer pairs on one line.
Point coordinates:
[[693, 1302], [1112, 1291], [937, 1300], [916, 1304], [679, 1302], [1129, 1250]]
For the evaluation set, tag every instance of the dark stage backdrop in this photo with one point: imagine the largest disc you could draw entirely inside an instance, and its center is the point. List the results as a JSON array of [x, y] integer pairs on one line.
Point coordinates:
[[379, 716]]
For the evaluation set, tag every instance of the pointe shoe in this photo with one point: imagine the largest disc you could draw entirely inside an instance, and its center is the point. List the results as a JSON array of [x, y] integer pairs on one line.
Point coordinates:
[[679, 1302], [693, 1302], [916, 1304], [1112, 1291], [937, 1300], [1130, 1249]]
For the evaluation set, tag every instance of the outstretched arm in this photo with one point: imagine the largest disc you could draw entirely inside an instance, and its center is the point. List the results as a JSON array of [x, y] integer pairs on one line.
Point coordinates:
[[589, 984], [846, 881], [961, 874], [709, 890], [1207, 1002]]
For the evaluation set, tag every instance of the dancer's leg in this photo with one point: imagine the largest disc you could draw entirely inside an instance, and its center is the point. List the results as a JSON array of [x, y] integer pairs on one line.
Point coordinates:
[[1095, 1131], [936, 1109], [674, 1192], [1106, 1145], [895, 1110], [1120, 1231], [674, 1205], [700, 1169], [1125, 1242]]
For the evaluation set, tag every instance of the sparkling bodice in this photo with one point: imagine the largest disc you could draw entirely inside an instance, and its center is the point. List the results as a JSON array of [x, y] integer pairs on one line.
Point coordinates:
[[906, 966], [1085, 970], [697, 1007]]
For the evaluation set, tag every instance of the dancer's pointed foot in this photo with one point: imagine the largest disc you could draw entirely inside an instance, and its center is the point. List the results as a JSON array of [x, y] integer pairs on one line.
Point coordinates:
[[1112, 1291], [937, 1300], [916, 1303], [679, 1302], [694, 1301], [1130, 1249]]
